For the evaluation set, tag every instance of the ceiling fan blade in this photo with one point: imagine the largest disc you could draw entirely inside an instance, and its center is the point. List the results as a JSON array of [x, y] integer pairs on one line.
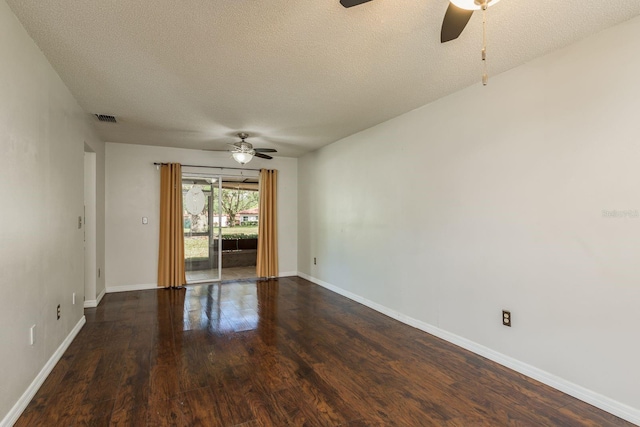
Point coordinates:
[[265, 150], [351, 3], [455, 19], [263, 156]]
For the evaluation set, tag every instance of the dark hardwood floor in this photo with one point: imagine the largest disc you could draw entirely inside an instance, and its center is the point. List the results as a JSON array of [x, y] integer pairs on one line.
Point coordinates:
[[280, 353]]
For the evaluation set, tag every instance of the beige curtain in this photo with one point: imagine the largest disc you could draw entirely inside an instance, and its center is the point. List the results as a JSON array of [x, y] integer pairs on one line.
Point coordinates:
[[171, 256], [267, 262]]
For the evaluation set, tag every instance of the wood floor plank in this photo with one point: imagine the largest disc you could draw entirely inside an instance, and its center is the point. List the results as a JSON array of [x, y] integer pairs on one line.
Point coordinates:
[[300, 410], [232, 405], [200, 408], [129, 417], [164, 383], [280, 353], [94, 413], [106, 379], [166, 413], [135, 384], [63, 406]]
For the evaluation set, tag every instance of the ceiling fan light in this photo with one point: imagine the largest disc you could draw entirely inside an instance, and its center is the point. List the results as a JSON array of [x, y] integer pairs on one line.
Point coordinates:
[[472, 4], [242, 157]]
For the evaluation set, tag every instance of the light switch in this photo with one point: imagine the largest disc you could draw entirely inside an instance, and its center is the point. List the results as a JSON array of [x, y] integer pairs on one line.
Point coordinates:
[[145, 220]]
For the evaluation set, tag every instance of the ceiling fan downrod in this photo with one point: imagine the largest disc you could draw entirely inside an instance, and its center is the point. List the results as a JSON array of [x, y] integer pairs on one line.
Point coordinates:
[[485, 75]]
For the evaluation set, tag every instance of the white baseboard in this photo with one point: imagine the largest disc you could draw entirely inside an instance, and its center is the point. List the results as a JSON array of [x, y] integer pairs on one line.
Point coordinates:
[[288, 274], [100, 296], [26, 397], [92, 303], [603, 402], [127, 288]]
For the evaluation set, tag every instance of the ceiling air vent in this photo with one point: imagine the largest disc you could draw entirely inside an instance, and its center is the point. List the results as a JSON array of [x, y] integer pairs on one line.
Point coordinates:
[[106, 118]]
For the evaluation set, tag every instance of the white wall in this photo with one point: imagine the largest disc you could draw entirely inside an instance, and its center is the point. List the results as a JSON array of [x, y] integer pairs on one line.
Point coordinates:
[[133, 191], [42, 134], [493, 198]]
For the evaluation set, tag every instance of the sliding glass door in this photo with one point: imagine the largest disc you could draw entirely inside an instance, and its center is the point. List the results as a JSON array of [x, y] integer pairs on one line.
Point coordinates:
[[202, 227], [220, 219]]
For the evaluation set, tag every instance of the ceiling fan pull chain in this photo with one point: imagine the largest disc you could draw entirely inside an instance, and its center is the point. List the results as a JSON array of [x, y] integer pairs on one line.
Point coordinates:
[[485, 74]]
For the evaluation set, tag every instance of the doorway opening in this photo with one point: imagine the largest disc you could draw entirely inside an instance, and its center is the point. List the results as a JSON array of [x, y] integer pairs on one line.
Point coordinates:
[[220, 219], [89, 228]]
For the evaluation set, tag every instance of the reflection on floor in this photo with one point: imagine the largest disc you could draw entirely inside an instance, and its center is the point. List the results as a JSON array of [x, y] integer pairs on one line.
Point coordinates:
[[221, 307], [228, 273]]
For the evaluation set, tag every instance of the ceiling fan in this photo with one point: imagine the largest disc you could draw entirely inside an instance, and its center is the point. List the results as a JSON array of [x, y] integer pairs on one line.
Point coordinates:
[[243, 151], [455, 19]]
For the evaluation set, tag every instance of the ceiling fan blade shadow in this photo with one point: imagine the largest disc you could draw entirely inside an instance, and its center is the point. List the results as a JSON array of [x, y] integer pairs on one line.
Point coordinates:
[[262, 156], [455, 19], [351, 3], [265, 150]]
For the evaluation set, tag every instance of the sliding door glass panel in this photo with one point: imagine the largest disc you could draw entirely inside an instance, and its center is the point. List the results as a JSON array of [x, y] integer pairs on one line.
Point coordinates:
[[202, 221], [240, 210]]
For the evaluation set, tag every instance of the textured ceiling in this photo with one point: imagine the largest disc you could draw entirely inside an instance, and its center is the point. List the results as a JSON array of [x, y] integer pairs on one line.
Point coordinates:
[[296, 75]]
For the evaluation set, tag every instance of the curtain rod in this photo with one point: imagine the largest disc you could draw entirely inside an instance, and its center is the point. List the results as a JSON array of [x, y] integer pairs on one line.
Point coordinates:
[[211, 167]]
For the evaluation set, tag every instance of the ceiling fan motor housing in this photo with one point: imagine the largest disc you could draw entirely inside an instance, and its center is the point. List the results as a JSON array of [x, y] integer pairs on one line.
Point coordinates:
[[243, 151], [474, 4], [245, 147]]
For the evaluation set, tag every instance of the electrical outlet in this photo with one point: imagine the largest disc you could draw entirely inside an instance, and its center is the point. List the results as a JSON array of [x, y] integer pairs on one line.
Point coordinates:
[[506, 318], [58, 312], [145, 220], [73, 298], [314, 261], [79, 222], [32, 335]]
